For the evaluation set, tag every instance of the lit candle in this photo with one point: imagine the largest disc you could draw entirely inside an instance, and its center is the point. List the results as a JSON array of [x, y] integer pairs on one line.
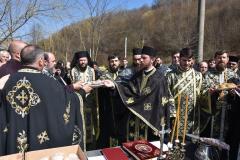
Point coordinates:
[[178, 117], [176, 120], [173, 131], [185, 120]]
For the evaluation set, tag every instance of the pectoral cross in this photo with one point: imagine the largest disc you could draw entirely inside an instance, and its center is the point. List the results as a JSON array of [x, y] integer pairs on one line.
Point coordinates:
[[22, 97]]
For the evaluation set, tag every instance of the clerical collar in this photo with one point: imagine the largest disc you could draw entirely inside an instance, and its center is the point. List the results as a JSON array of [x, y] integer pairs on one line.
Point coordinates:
[[29, 69]]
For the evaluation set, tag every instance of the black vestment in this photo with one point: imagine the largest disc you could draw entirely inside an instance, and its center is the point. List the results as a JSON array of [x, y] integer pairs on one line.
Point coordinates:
[[40, 113], [148, 100]]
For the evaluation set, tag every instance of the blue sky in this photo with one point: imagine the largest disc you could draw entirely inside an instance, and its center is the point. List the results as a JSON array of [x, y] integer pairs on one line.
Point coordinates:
[[50, 26]]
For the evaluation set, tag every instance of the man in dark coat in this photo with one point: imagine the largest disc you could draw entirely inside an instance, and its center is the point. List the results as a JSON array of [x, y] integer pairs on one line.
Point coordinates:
[[34, 116], [13, 64], [146, 95]]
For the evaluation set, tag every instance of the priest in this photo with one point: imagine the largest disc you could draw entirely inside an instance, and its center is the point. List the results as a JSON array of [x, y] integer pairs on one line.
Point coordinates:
[[39, 112], [146, 95]]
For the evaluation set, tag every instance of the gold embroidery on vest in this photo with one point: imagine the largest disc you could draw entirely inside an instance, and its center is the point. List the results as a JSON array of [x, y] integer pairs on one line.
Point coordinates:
[[147, 106], [43, 137], [130, 100], [5, 130], [22, 141], [22, 97], [66, 115], [146, 91], [164, 101], [77, 135]]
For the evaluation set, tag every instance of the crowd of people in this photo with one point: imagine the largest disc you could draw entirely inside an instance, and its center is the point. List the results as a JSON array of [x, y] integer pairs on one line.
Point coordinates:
[[45, 103]]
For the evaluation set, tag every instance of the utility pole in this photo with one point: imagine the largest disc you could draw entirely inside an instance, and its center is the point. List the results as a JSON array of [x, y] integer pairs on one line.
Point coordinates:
[[201, 19], [90, 53], [125, 53]]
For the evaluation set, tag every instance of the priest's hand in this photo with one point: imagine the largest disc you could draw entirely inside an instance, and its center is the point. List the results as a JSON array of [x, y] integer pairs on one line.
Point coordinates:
[[108, 84], [87, 88], [77, 85]]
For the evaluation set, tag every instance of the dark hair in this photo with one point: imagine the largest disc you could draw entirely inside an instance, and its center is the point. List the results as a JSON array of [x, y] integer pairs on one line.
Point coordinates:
[[94, 63], [46, 57], [77, 55], [137, 51], [186, 52], [210, 60], [173, 52], [219, 53], [113, 56], [60, 63], [30, 53]]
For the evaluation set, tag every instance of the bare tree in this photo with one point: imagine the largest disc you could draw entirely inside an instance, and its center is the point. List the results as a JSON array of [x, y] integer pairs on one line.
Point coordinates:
[[14, 14], [97, 10], [36, 33]]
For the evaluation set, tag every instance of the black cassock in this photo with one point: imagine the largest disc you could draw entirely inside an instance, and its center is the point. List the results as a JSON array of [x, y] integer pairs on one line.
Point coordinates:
[[37, 112], [146, 95]]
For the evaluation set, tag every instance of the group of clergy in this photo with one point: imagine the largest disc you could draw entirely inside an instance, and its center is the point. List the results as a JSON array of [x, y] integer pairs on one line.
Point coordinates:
[[104, 107]]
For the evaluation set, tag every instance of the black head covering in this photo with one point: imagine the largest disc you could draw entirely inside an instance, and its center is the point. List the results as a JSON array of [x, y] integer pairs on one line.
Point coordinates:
[[81, 54], [78, 55], [137, 51], [233, 59], [149, 51]]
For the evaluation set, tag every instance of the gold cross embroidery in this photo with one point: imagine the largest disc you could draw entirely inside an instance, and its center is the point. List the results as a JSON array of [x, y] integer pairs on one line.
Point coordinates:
[[147, 106], [22, 97], [130, 100], [22, 144], [43, 137], [164, 101]]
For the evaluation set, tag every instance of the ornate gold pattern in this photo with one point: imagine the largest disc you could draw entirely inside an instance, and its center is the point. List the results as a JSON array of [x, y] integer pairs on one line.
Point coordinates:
[[77, 135], [130, 100], [43, 137], [164, 101], [22, 97], [28, 70], [22, 141], [5, 130], [66, 115], [147, 106], [146, 91]]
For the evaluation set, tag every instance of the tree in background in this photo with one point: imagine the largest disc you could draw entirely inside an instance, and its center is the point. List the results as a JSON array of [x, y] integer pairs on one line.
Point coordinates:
[[170, 26], [14, 14], [36, 33]]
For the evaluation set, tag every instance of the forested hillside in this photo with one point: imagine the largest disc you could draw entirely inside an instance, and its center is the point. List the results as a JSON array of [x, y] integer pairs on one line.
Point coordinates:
[[167, 25]]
